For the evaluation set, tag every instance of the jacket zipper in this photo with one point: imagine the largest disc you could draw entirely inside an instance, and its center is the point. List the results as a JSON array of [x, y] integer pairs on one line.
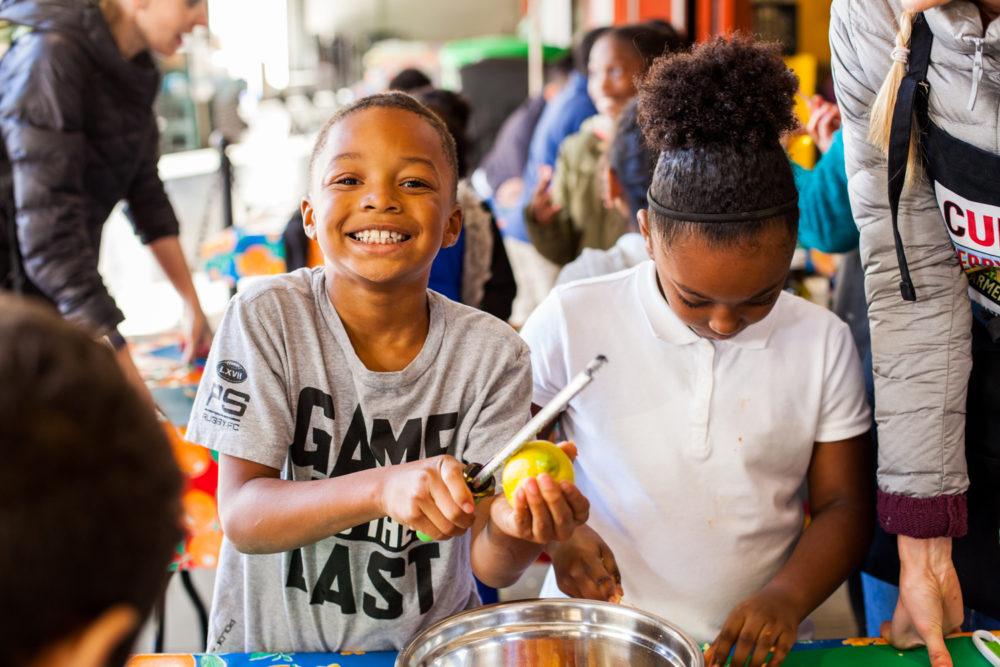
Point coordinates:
[[977, 71]]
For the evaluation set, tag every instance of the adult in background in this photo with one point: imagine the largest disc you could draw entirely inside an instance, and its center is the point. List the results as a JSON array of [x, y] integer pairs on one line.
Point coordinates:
[[928, 247], [76, 92], [561, 117]]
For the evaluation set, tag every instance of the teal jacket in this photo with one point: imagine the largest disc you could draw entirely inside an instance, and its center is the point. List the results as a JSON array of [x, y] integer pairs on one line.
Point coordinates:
[[825, 219]]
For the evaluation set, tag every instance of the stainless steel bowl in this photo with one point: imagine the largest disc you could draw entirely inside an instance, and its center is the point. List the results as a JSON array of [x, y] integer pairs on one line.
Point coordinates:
[[552, 633]]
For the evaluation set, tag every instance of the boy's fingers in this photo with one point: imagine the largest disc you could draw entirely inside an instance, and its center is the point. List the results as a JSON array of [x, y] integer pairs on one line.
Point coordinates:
[[440, 523], [453, 476], [443, 510]]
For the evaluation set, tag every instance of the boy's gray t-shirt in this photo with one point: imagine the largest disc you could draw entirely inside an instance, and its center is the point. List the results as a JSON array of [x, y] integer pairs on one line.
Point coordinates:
[[283, 387]]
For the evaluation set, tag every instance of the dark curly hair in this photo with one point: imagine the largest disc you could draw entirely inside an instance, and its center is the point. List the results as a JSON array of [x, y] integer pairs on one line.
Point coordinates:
[[90, 511], [715, 115], [391, 100]]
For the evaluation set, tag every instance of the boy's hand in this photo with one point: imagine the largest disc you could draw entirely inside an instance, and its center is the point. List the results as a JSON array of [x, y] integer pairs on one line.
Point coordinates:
[[585, 566], [756, 626], [543, 509], [429, 496]]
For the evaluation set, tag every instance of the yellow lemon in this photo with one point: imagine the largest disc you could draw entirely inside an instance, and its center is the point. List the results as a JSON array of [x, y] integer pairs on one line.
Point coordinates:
[[532, 460]]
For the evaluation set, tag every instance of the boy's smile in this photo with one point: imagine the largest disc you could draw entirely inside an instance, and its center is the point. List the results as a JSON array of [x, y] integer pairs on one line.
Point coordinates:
[[381, 203]]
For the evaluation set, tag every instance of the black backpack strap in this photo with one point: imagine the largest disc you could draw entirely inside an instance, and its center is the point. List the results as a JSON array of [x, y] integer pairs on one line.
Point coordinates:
[[910, 97]]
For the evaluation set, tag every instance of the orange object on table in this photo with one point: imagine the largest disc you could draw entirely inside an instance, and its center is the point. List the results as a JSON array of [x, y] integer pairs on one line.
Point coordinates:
[[201, 513]]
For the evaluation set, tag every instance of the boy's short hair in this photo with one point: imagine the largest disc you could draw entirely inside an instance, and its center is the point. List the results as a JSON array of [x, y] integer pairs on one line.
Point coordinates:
[[90, 511], [390, 100]]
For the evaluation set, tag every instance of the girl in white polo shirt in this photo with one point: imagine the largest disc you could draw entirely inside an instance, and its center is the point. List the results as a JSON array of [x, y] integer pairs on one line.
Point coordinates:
[[727, 401]]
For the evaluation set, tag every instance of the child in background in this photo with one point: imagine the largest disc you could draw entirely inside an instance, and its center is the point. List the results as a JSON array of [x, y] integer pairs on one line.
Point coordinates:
[[566, 212], [627, 176], [728, 401], [342, 400], [475, 271], [84, 548]]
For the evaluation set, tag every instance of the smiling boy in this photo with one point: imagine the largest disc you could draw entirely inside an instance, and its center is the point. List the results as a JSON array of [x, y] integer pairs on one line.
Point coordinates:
[[362, 394]]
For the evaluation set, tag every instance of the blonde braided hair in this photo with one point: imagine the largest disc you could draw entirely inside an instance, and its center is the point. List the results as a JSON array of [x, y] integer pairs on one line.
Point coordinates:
[[880, 119]]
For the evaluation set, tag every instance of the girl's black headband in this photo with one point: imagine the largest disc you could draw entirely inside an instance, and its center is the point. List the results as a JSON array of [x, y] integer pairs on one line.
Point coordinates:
[[744, 216]]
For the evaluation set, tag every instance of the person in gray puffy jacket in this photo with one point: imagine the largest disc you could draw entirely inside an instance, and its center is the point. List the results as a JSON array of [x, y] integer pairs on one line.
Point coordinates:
[[77, 85], [935, 403]]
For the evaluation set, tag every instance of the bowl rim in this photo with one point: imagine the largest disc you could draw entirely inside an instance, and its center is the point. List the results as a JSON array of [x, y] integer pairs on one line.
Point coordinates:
[[406, 653]]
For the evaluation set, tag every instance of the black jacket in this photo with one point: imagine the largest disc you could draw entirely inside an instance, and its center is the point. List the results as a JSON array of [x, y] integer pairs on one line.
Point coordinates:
[[79, 135]]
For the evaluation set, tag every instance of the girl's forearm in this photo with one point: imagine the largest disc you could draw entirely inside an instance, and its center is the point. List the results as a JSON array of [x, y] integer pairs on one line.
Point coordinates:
[[829, 550]]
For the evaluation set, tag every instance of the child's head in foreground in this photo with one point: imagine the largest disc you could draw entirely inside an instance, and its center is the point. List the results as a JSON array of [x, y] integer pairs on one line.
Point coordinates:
[[89, 496], [382, 186], [722, 214]]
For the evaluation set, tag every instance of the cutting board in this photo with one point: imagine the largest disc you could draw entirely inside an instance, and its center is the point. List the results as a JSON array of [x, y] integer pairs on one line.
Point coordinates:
[[963, 653]]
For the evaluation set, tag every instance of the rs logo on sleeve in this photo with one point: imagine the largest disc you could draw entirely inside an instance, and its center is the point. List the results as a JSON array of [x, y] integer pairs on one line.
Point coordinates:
[[225, 406]]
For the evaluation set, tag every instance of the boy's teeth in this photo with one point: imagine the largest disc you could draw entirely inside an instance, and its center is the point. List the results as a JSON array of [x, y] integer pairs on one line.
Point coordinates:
[[378, 236]]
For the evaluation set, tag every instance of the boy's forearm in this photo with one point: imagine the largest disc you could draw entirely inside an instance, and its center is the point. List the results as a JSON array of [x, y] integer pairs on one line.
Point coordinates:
[[499, 560], [268, 515], [826, 554]]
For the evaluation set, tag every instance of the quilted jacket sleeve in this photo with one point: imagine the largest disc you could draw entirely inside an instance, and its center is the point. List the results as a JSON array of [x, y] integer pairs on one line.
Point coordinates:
[[147, 205], [42, 120], [920, 349]]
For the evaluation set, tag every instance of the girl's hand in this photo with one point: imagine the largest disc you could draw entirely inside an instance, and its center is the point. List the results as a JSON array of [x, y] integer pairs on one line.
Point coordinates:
[[429, 496], [543, 209], [756, 626], [585, 566], [543, 510]]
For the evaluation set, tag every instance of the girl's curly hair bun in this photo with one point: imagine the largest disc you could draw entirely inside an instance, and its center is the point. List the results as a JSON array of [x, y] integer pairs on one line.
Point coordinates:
[[733, 91]]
